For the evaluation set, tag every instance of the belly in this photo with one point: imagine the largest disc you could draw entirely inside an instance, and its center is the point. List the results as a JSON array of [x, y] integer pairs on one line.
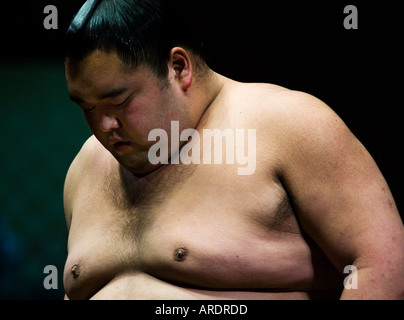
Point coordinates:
[[142, 286]]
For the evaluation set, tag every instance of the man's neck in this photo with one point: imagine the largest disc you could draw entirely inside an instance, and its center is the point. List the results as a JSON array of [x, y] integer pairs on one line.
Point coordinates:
[[207, 91]]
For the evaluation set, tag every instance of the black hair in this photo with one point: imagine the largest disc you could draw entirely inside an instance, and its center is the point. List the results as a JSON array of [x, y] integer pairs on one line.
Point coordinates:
[[139, 31]]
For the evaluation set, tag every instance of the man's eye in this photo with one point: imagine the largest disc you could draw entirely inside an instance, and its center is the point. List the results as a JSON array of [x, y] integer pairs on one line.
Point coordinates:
[[88, 110], [122, 104]]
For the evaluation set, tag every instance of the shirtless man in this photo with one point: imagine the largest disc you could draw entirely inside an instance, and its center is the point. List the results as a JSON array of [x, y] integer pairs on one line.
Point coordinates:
[[315, 204]]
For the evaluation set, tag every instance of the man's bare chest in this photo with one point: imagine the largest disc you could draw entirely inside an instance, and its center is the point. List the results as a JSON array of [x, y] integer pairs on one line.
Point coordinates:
[[180, 198], [201, 230]]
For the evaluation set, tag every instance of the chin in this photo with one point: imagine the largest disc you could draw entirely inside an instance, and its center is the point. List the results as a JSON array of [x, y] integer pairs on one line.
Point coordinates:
[[142, 170], [137, 163]]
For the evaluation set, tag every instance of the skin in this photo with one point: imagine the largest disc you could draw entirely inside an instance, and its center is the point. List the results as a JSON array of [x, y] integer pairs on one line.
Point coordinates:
[[316, 203]]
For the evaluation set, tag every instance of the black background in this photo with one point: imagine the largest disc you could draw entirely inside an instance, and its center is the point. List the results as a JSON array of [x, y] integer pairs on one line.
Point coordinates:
[[300, 45]]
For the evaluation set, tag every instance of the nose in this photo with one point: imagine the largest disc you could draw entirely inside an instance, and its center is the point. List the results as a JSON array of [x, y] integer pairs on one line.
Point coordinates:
[[109, 123]]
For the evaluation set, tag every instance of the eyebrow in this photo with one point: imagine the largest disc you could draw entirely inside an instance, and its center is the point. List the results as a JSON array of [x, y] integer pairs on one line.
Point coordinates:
[[109, 94], [113, 93]]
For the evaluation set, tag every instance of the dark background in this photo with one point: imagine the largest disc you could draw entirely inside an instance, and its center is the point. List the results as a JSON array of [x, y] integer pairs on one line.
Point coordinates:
[[301, 46]]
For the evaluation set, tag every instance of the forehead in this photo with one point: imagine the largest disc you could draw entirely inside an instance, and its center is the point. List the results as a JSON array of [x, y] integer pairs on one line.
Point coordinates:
[[98, 63], [101, 72]]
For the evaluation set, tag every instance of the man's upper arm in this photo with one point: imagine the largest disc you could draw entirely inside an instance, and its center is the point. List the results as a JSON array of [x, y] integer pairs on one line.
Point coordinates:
[[74, 175], [339, 194], [69, 189]]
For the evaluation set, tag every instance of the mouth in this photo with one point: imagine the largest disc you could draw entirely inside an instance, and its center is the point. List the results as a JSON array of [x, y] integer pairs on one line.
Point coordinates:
[[122, 146]]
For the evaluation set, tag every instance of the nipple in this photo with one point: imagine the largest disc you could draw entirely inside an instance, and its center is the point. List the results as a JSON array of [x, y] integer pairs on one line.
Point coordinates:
[[180, 254], [75, 270]]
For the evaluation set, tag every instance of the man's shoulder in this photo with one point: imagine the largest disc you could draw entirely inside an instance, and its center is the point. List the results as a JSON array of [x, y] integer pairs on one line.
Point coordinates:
[[91, 158], [288, 120], [271, 105], [91, 149]]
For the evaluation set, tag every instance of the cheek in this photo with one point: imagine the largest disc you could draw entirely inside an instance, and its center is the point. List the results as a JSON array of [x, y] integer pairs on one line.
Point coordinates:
[[134, 119], [145, 117]]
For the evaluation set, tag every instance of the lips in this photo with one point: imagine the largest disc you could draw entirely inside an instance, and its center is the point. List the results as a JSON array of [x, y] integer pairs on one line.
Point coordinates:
[[122, 145]]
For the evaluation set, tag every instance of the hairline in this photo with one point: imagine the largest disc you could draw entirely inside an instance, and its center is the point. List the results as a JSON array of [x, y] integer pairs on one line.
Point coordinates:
[[200, 66]]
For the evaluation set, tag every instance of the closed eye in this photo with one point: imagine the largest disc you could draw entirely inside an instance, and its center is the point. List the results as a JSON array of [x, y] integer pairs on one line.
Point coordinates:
[[88, 110], [122, 104]]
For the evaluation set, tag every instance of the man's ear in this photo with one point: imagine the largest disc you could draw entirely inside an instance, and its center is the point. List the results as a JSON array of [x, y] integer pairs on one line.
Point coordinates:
[[180, 63]]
